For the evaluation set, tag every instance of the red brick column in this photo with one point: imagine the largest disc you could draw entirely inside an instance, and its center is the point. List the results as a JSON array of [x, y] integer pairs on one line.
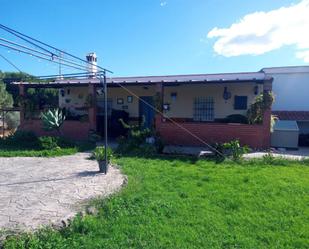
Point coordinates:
[[22, 106], [266, 129], [92, 111], [267, 117]]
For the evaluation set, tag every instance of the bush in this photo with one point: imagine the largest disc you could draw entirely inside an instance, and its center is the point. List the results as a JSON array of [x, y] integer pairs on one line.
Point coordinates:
[[236, 118], [135, 142], [12, 120], [234, 149], [99, 154], [22, 139], [50, 143], [268, 159]]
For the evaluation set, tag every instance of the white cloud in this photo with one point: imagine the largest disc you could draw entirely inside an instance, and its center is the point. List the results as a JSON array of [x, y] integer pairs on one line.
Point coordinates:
[[162, 4], [261, 32]]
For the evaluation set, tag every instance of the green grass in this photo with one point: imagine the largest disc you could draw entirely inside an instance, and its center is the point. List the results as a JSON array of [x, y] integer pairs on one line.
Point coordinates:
[[21, 151], [183, 203]]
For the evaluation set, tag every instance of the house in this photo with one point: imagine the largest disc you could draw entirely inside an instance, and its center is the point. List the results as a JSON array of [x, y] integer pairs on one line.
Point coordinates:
[[291, 89], [183, 109]]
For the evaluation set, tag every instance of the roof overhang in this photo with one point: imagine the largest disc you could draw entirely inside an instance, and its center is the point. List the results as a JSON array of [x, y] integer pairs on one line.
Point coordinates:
[[257, 77]]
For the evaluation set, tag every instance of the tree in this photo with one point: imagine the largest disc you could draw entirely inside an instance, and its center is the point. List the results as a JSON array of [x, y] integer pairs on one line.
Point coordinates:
[[6, 99]]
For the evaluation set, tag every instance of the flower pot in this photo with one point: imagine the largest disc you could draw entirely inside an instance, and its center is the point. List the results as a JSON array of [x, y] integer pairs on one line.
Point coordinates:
[[102, 166]]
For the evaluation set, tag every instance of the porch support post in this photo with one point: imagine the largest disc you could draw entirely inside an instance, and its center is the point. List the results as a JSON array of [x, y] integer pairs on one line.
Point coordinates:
[[267, 87], [22, 106], [92, 111], [159, 103]]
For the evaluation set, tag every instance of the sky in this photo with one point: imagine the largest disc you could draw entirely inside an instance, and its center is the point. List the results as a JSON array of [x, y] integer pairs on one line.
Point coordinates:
[[162, 37]]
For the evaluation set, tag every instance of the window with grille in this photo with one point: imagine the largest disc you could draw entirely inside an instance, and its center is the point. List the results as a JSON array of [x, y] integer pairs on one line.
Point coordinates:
[[203, 109]]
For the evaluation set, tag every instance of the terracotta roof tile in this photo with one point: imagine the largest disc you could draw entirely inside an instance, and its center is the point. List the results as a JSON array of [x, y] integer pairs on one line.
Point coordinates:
[[292, 115]]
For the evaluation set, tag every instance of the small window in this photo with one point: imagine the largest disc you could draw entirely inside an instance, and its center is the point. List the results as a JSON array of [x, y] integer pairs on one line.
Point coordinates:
[[203, 109], [240, 102]]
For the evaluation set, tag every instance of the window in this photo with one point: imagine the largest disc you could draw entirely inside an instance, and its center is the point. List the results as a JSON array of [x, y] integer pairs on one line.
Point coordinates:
[[203, 109], [240, 102]]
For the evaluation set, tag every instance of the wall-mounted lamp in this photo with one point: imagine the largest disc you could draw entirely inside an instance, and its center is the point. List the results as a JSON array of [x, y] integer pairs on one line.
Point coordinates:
[[62, 92], [226, 95], [256, 90], [174, 96]]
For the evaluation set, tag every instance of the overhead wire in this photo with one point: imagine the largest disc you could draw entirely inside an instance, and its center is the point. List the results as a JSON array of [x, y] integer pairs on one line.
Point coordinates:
[[54, 56], [41, 57], [11, 63], [26, 38], [173, 121]]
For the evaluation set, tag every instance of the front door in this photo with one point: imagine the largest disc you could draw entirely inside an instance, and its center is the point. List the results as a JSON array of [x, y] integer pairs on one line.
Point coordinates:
[[146, 111]]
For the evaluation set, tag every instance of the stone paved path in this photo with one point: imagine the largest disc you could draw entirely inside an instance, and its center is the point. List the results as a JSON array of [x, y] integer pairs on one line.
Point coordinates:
[[42, 191]]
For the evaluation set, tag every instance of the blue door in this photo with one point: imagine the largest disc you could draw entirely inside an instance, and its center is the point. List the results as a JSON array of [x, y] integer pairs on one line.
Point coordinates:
[[146, 112]]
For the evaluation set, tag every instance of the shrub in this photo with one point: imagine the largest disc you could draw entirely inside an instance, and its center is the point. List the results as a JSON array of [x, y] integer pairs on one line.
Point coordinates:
[[236, 118], [235, 150], [50, 143], [21, 139], [12, 120], [135, 142], [256, 110], [268, 158], [99, 154]]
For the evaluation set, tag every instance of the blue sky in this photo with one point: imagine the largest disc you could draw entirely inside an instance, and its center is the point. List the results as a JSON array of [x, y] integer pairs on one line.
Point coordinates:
[[153, 37]]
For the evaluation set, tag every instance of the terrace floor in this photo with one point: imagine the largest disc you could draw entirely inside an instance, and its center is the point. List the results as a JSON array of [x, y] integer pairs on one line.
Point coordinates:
[[42, 191]]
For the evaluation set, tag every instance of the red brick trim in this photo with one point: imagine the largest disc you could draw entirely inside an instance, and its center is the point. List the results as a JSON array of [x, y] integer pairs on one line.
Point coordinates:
[[75, 130], [255, 136]]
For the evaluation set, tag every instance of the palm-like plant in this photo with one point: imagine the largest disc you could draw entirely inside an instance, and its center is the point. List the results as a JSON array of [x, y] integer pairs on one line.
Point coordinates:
[[53, 119]]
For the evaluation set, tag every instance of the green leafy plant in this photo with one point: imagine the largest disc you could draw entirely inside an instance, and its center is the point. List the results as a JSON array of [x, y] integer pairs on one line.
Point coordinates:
[[99, 155], [269, 158], [263, 102], [6, 99], [135, 141], [49, 143], [12, 120], [53, 119], [235, 149], [273, 119]]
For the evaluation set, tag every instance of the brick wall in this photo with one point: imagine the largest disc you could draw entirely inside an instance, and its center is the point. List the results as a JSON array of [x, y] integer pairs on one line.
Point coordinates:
[[75, 130], [255, 136]]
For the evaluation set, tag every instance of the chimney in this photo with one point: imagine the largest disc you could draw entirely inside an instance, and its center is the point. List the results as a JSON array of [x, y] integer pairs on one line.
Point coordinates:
[[92, 68]]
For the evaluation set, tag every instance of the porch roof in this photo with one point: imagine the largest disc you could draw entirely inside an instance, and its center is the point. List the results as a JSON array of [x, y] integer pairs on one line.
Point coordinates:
[[255, 77]]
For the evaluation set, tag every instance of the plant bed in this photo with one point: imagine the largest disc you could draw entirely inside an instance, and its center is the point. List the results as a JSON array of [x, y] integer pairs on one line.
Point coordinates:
[[26, 144]]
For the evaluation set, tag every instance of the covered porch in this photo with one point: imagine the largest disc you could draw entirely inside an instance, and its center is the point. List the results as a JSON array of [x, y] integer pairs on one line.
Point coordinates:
[[203, 106]]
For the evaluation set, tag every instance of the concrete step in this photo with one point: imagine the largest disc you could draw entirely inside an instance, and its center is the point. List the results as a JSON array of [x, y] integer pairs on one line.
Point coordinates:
[[187, 150]]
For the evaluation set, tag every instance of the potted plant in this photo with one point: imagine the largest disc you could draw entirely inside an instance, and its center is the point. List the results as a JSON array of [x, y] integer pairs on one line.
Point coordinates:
[[99, 155]]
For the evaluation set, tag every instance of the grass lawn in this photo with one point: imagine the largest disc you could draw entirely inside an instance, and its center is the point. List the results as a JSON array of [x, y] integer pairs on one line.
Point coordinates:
[[21, 151], [183, 203]]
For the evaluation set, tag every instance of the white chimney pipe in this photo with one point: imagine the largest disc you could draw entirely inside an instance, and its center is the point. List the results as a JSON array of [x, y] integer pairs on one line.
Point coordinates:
[[92, 68]]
